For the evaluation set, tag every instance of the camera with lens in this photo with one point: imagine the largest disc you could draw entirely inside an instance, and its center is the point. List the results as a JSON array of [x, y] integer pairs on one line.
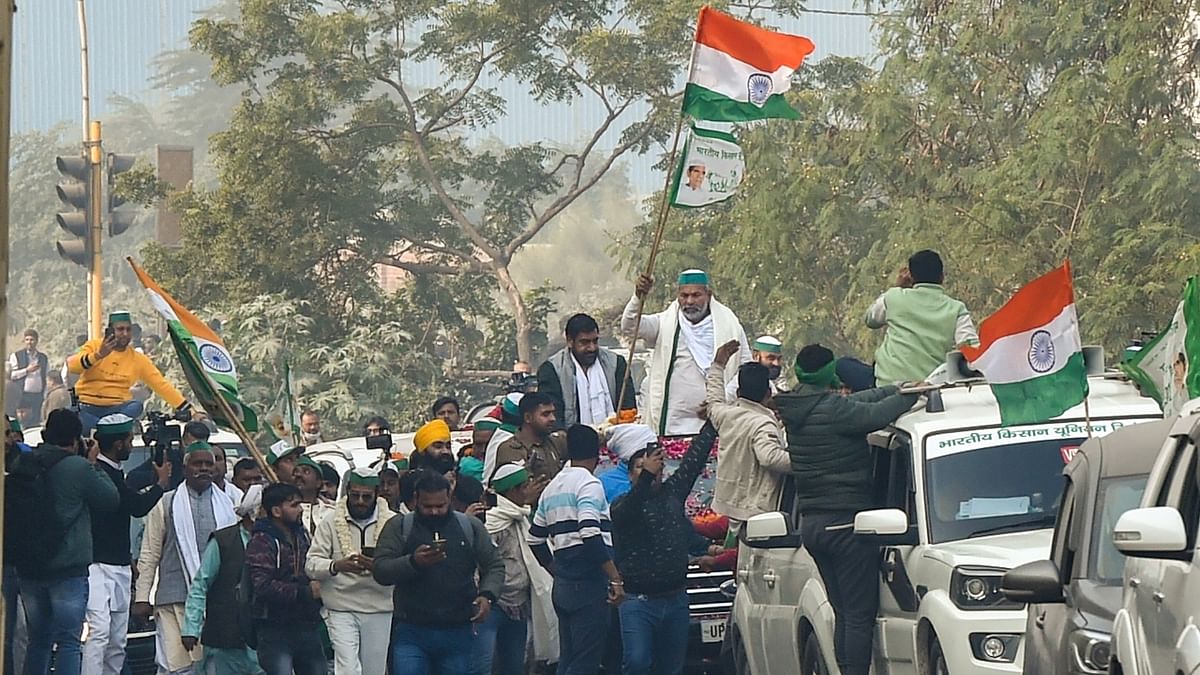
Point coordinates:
[[161, 436], [521, 383]]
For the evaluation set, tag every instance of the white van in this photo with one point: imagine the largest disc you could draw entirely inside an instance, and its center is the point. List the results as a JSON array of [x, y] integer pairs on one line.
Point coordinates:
[[966, 500]]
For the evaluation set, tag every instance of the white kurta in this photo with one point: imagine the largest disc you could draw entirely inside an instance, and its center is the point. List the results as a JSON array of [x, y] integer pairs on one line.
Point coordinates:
[[685, 391]]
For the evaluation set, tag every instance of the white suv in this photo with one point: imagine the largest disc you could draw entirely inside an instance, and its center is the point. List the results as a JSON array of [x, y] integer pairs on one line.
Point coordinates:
[[1155, 629], [967, 500]]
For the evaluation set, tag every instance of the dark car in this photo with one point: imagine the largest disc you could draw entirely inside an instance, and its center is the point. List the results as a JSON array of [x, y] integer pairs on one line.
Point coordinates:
[[1074, 595]]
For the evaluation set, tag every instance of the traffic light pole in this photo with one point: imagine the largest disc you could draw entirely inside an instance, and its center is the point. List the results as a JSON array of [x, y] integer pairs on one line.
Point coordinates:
[[6, 32], [95, 235]]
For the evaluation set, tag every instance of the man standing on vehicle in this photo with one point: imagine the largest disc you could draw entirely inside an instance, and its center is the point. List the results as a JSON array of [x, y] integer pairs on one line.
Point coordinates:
[[752, 460], [310, 428], [431, 557], [108, 367], [342, 557], [571, 536], [651, 535], [584, 379], [176, 534], [683, 339], [832, 466], [110, 577]]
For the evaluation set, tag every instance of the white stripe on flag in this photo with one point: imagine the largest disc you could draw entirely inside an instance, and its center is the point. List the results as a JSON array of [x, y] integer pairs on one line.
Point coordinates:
[[719, 72], [161, 305], [1010, 358]]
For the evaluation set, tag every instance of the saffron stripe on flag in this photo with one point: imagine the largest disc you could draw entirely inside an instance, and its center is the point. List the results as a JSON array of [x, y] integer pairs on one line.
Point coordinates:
[[759, 47], [1009, 359], [1035, 305], [1045, 397]]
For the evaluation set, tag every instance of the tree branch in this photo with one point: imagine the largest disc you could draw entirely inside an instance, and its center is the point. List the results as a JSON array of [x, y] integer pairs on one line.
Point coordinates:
[[417, 267]]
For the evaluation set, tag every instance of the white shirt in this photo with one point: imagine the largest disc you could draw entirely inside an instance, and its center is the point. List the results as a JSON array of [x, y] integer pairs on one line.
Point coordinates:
[[591, 389], [33, 381]]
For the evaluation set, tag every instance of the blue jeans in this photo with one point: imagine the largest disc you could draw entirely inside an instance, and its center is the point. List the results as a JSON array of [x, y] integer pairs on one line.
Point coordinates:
[[90, 414], [420, 650], [654, 634], [284, 649], [55, 611], [501, 639], [583, 615]]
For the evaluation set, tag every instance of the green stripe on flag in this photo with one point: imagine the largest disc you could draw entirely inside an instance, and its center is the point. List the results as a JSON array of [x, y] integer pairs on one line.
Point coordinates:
[[705, 104], [203, 386], [1043, 398]]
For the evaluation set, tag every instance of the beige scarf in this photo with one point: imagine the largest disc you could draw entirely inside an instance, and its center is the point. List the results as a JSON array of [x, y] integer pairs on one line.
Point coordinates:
[[341, 526]]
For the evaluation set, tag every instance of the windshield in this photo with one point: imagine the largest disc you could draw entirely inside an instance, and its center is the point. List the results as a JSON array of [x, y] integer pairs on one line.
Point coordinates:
[[995, 488], [1115, 496]]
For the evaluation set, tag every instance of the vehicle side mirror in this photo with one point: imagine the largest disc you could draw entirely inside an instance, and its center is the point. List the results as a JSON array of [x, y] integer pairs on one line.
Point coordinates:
[[1154, 532], [769, 530], [887, 527], [1033, 583]]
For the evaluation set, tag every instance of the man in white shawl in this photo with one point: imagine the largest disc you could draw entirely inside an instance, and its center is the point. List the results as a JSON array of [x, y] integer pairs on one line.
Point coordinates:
[[525, 602], [176, 534], [683, 340]]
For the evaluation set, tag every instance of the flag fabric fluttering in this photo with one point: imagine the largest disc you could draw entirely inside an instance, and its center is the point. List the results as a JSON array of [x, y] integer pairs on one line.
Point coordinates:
[[1031, 353], [710, 169], [206, 362], [1168, 367], [283, 422], [739, 72]]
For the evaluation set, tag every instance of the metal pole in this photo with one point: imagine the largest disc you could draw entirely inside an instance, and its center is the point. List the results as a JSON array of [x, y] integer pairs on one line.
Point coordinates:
[[84, 71], [85, 82], [6, 31], [95, 210]]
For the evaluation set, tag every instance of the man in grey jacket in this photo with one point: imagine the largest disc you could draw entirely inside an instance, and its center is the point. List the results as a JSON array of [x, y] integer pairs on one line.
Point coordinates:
[[583, 378], [751, 460], [431, 557]]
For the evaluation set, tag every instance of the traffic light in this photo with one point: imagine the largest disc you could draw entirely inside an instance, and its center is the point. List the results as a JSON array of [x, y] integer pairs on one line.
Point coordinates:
[[74, 193], [118, 221]]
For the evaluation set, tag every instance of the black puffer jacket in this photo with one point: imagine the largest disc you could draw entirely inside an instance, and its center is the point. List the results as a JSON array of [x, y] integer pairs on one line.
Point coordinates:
[[827, 441]]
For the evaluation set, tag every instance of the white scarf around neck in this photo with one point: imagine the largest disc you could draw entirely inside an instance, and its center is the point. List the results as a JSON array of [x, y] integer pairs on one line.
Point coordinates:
[[699, 339], [185, 525], [591, 387]]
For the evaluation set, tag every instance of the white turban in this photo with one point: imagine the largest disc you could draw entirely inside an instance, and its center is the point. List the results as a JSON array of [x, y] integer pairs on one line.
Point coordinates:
[[251, 502], [626, 439]]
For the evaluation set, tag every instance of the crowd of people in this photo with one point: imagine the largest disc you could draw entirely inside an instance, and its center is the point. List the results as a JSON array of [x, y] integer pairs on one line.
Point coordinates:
[[511, 554]]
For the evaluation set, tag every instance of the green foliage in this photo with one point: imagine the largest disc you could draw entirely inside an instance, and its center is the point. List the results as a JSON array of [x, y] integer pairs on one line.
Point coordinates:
[[1008, 136]]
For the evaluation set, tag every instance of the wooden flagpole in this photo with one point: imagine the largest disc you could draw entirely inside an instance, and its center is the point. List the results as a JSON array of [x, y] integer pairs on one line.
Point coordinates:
[[664, 205]]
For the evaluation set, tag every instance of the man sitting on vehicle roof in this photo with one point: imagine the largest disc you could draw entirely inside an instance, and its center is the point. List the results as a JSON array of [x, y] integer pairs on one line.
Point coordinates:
[[923, 323], [832, 467]]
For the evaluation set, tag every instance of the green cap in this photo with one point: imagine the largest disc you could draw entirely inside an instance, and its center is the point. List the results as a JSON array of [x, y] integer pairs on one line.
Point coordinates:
[[364, 477], [487, 424], [508, 476], [14, 424], [768, 344], [280, 450], [305, 460], [693, 277], [198, 446], [118, 317], [115, 424]]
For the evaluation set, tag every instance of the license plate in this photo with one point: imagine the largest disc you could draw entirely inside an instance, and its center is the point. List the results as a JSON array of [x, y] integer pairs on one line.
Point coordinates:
[[712, 631]]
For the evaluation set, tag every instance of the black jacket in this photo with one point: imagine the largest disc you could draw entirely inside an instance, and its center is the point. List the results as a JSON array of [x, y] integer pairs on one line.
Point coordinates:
[[651, 532], [110, 531], [827, 441]]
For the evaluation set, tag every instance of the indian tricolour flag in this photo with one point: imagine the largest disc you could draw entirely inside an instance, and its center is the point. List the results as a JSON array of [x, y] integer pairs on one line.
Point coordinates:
[[740, 71], [206, 362], [1030, 352]]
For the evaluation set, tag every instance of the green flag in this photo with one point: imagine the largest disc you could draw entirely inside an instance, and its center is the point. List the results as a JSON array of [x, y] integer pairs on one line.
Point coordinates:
[[1168, 367], [710, 169], [284, 421]]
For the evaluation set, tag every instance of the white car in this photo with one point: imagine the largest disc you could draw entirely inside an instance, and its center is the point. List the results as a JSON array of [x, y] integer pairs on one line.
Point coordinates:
[[966, 501], [1155, 630]]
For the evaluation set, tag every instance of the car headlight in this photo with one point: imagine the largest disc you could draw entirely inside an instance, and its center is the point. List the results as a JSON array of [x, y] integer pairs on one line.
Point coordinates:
[[979, 588], [1091, 651]]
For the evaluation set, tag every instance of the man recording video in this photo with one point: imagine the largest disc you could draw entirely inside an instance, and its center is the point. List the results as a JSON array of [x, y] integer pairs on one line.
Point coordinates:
[[108, 367]]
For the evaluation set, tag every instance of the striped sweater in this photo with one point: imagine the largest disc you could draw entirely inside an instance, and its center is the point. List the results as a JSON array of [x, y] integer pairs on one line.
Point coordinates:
[[572, 519]]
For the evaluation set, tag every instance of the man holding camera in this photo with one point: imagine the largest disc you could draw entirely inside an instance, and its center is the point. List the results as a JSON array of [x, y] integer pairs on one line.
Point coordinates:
[[341, 558], [110, 575], [108, 367]]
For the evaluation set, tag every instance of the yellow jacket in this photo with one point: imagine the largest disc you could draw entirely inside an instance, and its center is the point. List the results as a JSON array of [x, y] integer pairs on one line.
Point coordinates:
[[107, 381]]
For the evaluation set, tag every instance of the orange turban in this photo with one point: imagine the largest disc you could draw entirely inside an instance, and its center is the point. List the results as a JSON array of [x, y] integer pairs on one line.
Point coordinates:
[[432, 432]]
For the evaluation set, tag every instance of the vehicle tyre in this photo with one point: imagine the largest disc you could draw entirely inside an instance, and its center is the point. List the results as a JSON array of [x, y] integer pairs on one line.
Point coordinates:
[[811, 661], [937, 659]]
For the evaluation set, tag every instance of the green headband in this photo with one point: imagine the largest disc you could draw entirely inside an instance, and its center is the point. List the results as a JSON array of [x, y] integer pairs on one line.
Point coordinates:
[[826, 376], [198, 446], [117, 317], [693, 277], [512, 480], [366, 481]]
